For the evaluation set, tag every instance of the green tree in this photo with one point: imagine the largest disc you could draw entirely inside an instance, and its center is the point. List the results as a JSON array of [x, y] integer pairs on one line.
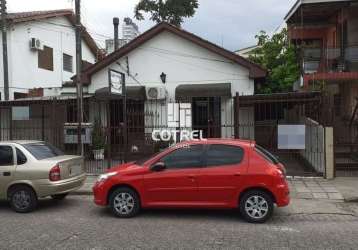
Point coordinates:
[[279, 57], [171, 11]]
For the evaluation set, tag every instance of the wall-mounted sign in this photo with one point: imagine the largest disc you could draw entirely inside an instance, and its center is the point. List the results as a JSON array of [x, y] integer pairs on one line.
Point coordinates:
[[291, 136], [21, 113], [116, 82]]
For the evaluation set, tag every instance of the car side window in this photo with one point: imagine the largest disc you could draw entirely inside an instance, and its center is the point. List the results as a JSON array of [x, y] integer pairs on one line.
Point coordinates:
[[186, 157], [21, 158], [219, 155], [6, 156]]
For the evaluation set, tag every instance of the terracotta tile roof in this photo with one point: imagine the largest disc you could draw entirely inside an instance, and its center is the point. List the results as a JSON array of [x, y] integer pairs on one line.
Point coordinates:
[[20, 17], [256, 71]]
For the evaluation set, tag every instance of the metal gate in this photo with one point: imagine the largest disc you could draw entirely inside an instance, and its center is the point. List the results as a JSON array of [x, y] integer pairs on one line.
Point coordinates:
[[342, 115], [291, 112]]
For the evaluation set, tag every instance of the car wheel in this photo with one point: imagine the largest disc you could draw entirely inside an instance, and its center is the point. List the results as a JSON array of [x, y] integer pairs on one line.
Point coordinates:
[[59, 197], [256, 206], [124, 202], [23, 199]]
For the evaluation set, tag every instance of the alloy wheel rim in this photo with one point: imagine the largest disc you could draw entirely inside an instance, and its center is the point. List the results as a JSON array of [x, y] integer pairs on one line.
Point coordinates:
[[124, 203], [256, 207], [21, 200]]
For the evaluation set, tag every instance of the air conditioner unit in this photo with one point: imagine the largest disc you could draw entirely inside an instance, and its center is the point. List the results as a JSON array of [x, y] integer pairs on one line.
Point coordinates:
[[156, 92], [36, 44]]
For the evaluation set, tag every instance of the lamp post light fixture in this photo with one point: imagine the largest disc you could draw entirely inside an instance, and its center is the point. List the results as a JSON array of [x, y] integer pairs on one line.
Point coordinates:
[[163, 77]]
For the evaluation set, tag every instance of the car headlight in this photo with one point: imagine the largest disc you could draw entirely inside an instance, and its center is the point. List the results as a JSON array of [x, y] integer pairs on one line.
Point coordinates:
[[104, 177]]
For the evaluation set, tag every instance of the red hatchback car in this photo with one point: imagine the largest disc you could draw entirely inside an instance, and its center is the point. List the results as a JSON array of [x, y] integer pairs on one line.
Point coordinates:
[[215, 173]]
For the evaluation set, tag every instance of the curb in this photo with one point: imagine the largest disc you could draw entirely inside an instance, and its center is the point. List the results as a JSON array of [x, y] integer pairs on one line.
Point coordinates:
[[290, 177], [351, 199], [84, 192]]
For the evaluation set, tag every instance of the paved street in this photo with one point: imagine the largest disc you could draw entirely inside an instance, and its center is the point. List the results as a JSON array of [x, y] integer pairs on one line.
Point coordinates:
[[77, 223]]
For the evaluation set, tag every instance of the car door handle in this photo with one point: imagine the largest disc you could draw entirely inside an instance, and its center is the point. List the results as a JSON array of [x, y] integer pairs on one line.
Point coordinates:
[[6, 174], [237, 174], [192, 177]]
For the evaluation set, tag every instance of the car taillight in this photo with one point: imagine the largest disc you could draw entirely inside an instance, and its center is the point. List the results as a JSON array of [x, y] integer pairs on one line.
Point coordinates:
[[282, 168], [55, 173], [281, 173]]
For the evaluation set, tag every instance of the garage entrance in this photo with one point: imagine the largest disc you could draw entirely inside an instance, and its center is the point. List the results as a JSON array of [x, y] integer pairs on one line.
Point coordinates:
[[287, 124]]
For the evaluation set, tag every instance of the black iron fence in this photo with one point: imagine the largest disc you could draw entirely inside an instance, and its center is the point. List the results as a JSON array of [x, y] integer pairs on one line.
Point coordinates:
[[153, 125], [107, 140]]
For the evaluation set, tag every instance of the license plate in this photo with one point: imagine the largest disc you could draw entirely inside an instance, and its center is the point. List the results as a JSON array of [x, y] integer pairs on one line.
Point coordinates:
[[75, 170]]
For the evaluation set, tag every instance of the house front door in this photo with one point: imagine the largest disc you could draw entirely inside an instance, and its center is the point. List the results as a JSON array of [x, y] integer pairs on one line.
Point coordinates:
[[207, 116]]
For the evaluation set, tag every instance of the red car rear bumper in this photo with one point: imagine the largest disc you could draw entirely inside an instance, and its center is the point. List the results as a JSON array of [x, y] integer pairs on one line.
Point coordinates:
[[282, 195]]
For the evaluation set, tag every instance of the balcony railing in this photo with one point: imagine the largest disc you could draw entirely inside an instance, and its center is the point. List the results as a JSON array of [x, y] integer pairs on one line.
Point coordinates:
[[312, 53], [330, 59]]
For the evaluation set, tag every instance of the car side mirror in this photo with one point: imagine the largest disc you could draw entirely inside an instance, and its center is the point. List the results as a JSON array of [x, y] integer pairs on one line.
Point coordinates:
[[159, 166]]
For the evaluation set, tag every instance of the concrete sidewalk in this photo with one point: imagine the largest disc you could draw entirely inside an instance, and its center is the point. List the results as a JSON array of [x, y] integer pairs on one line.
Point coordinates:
[[87, 187], [348, 187], [337, 190]]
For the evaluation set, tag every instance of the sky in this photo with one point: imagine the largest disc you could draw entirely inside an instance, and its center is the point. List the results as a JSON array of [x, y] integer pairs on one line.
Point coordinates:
[[232, 24]]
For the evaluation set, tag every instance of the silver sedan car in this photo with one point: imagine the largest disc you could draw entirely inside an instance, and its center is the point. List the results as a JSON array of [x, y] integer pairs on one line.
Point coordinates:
[[33, 169]]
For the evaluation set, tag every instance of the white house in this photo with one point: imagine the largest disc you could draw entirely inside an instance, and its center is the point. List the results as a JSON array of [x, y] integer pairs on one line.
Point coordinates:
[[166, 65], [175, 80], [41, 51]]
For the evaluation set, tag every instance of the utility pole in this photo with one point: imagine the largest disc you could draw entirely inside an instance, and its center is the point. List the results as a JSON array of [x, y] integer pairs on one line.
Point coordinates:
[[79, 76], [4, 49]]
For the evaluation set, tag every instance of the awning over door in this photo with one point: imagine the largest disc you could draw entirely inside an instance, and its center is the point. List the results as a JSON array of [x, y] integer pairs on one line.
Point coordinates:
[[186, 91], [133, 93]]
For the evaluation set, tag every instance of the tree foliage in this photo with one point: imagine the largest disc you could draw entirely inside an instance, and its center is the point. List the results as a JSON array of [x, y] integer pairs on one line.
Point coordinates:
[[279, 57], [171, 11]]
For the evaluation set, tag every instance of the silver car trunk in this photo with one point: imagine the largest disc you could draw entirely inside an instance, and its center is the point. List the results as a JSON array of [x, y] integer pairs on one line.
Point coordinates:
[[70, 165]]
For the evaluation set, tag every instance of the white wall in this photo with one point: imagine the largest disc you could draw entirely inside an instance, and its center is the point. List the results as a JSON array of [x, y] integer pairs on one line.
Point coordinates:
[[246, 120], [184, 63], [24, 73], [190, 64], [314, 151]]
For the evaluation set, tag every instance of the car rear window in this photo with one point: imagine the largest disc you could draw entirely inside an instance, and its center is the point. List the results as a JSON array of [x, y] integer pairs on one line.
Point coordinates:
[[220, 155], [43, 150], [266, 154]]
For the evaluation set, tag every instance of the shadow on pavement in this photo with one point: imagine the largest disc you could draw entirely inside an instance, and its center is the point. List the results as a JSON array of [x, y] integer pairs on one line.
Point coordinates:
[[182, 214], [46, 204]]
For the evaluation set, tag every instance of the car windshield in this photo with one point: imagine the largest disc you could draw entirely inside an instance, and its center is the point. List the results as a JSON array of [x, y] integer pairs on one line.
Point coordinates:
[[42, 150], [266, 154], [143, 160]]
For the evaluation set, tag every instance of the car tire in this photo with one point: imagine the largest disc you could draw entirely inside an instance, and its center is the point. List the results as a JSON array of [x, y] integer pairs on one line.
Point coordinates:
[[124, 202], [22, 199], [256, 206], [59, 197]]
